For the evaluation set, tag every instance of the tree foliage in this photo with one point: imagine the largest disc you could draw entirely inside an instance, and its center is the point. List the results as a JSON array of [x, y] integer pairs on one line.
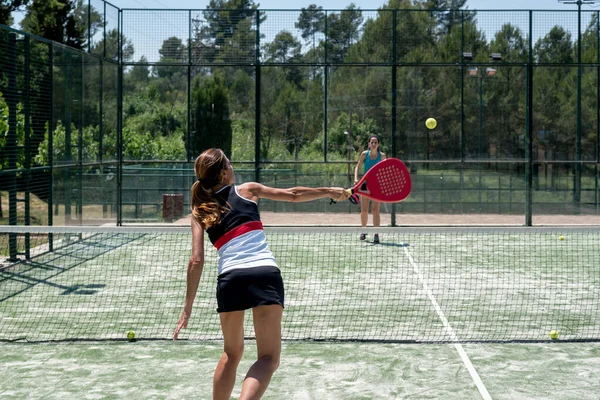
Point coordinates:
[[64, 21], [300, 60], [211, 112], [7, 7]]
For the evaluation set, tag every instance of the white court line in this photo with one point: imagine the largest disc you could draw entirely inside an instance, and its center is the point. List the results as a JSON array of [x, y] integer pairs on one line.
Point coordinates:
[[463, 355]]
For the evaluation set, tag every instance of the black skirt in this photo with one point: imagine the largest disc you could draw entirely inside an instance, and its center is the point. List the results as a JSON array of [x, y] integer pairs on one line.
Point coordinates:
[[245, 288]]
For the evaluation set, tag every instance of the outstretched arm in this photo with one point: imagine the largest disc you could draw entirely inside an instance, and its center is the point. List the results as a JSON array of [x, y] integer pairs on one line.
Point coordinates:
[[194, 272], [361, 160], [255, 191]]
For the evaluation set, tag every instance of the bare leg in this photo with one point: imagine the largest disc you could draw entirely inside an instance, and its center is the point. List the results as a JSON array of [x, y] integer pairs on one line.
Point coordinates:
[[232, 324], [375, 211], [364, 211], [267, 326]]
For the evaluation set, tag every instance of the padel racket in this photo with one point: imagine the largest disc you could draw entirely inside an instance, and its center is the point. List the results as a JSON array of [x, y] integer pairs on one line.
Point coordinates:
[[388, 181]]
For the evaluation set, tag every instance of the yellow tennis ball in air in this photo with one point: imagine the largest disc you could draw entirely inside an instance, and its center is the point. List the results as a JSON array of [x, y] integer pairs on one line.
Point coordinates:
[[561, 238], [553, 334], [131, 336], [431, 123]]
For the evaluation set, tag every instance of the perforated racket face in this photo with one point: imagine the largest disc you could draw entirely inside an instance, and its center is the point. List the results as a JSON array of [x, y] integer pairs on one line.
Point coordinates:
[[389, 181]]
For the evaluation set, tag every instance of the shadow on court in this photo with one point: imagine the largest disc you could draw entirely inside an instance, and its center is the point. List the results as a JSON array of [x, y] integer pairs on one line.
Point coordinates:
[[71, 252], [387, 244]]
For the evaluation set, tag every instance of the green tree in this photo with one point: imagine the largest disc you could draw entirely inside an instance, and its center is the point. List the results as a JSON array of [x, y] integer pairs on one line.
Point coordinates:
[[310, 23], [286, 49], [588, 87], [7, 7], [87, 17], [140, 73], [449, 13], [556, 47], [211, 116], [60, 20], [343, 31], [59, 145], [507, 92], [555, 94], [110, 47], [172, 51], [229, 23]]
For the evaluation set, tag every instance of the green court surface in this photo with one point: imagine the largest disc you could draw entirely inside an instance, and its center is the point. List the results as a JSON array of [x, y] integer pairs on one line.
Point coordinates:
[[183, 370], [454, 313]]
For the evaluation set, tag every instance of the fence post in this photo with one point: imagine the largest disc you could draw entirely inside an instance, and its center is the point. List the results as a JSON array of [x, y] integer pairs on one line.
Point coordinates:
[[27, 138], [50, 128], [578, 151], [79, 207], [529, 131], [89, 26], [189, 155], [68, 151], [120, 122], [394, 99], [325, 92], [11, 140], [257, 98]]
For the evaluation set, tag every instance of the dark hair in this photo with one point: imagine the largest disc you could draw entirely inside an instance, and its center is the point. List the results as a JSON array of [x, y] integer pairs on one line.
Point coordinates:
[[376, 137], [207, 209]]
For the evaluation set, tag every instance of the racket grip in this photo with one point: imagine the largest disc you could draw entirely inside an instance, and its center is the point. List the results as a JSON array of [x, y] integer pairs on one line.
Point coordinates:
[[349, 191]]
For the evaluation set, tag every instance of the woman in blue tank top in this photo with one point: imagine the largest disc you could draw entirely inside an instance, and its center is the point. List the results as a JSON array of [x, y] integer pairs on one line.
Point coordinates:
[[368, 158]]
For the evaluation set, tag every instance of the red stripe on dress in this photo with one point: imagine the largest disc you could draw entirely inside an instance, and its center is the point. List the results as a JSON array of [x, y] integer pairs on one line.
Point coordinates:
[[238, 231]]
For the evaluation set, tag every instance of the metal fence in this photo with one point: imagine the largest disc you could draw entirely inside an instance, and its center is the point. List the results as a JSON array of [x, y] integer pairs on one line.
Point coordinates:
[[101, 134]]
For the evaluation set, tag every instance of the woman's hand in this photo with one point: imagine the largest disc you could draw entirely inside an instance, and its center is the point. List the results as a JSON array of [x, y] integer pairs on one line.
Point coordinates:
[[182, 323], [340, 194]]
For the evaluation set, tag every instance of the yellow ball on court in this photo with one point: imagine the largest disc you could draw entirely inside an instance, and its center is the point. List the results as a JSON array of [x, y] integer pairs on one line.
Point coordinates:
[[553, 334], [431, 123], [561, 238], [131, 336]]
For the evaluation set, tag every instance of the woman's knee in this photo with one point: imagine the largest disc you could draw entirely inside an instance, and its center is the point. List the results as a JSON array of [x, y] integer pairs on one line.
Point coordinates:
[[234, 353], [272, 361]]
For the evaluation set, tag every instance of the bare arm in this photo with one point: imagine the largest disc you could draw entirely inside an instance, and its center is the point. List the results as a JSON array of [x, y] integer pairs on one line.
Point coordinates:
[[255, 191], [194, 272], [361, 160], [383, 156]]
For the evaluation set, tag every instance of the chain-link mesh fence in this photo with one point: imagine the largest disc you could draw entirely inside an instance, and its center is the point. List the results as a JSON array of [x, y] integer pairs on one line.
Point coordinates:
[[101, 135]]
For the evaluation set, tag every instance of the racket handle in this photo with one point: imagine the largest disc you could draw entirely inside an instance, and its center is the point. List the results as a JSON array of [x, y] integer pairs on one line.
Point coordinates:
[[349, 191]]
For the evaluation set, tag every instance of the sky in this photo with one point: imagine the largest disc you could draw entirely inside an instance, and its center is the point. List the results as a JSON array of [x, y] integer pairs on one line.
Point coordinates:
[[147, 35], [363, 4], [341, 4]]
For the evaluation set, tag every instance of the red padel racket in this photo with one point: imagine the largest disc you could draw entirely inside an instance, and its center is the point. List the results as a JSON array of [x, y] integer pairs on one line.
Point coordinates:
[[388, 181]]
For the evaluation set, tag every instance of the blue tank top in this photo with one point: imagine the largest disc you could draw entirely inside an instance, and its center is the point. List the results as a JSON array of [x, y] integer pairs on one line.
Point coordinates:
[[369, 162]]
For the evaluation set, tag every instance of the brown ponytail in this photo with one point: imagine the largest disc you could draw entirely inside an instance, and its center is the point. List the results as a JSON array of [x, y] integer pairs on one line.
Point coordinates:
[[207, 209]]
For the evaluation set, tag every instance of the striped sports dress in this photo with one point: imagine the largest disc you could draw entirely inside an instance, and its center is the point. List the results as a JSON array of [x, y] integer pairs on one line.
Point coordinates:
[[248, 275]]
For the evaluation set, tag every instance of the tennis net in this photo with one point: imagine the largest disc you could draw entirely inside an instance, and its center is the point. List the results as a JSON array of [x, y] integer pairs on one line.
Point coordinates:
[[417, 285]]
